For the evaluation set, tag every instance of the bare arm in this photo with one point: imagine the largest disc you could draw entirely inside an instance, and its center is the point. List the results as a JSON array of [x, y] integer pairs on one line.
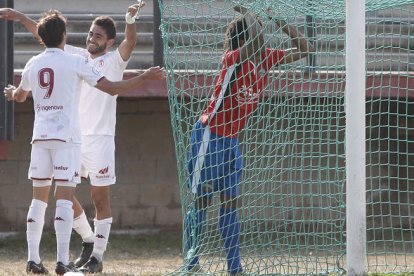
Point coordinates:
[[128, 44], [14, 15], [122, 87], [301, 44], [254, 46], [15, 94]]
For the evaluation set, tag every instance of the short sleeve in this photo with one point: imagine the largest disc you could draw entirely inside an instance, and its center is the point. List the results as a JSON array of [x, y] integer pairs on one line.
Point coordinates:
[[25, 80], [272, 57], [120, 61]]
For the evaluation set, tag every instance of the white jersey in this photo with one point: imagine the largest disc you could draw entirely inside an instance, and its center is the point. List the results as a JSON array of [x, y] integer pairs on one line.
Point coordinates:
[[98, 110], [55, 79]]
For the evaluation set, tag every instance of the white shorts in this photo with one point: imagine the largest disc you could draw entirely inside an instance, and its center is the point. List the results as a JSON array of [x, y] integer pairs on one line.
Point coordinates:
[[98, 159], [55, 160]]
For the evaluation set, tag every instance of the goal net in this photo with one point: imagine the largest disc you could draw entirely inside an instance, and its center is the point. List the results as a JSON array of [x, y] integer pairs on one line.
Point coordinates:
[[291, 197]]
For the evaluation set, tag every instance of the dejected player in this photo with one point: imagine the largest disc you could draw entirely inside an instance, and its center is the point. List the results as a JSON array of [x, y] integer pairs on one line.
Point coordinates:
[[215, 159]]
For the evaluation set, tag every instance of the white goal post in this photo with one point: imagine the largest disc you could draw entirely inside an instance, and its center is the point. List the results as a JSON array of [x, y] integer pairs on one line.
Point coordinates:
[[355, 138]]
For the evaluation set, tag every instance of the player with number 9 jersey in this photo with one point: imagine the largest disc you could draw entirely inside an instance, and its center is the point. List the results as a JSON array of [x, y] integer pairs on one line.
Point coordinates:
[[55, 78]]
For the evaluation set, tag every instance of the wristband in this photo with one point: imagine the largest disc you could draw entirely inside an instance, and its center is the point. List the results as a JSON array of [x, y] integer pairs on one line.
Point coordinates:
[[129, 19]]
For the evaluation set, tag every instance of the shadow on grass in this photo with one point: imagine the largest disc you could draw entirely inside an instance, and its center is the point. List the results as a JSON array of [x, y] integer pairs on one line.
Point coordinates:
[[127, 254]]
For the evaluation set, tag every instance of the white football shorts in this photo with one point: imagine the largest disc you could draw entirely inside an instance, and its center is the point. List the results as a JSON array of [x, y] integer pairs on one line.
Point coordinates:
[[98, 159], [55, 160]]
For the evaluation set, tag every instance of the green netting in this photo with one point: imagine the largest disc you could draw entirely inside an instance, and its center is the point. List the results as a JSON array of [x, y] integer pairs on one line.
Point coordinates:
[[323, 9], [390, 140], [292, 191]]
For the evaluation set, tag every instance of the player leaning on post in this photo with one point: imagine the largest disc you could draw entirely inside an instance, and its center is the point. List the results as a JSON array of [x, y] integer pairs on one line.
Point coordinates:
[[54, 78], [98, 119], [215, 162]]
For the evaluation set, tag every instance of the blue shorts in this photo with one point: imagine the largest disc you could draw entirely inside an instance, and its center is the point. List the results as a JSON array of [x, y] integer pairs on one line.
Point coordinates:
[[215, 163]]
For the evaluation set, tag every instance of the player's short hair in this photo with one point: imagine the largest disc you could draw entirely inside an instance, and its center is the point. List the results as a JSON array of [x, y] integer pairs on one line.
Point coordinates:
[[106, 23], [51, 28], [236, 31]]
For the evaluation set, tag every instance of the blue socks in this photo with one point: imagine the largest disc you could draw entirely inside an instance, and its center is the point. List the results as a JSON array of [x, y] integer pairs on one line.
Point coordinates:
[[230, 234], [229, 231]]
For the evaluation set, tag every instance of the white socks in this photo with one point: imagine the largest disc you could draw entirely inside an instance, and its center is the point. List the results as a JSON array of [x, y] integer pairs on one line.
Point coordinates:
[[35, 222], [83, 228], [63, 228], [102, 229]]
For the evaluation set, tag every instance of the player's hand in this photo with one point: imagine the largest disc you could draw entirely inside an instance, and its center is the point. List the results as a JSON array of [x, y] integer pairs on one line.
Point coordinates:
[[134, 10], [154, 73], [10, 14], [9, 92], [240, 9], [280, 22]]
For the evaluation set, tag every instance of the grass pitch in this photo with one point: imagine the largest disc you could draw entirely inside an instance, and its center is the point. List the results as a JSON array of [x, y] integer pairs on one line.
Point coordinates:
[[127, 254]]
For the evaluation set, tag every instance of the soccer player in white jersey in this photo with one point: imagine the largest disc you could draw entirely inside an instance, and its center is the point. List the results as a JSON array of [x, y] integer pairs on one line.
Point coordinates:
[[54, 78], [98, 133], [98, 119]]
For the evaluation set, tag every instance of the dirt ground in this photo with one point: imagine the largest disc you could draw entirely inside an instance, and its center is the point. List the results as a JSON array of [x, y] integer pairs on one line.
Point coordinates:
[[157, 253], [152, 253]]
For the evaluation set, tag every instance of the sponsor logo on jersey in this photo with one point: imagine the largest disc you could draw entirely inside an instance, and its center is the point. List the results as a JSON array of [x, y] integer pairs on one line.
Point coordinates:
[[95, 71], [76, 174], [60, 168], [48, 107], [59, 218]]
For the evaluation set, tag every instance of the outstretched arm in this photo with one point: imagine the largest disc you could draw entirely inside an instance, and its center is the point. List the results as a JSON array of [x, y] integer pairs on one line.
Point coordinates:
[[301, 44], [128, 44], [15, 15], [122, 87], [12, 93]]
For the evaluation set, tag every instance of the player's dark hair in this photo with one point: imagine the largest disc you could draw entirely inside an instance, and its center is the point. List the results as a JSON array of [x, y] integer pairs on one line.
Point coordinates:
[[236, 31], [51, 28], [106, 23]]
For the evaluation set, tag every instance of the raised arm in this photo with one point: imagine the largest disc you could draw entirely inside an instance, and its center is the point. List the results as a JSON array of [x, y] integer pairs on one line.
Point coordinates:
[[15, 15], [254, 45], [123, 87], [127, 45], [301, 44]]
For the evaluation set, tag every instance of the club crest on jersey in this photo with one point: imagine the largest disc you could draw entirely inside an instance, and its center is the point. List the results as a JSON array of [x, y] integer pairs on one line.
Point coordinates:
[[247, 95], [101, 63]]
